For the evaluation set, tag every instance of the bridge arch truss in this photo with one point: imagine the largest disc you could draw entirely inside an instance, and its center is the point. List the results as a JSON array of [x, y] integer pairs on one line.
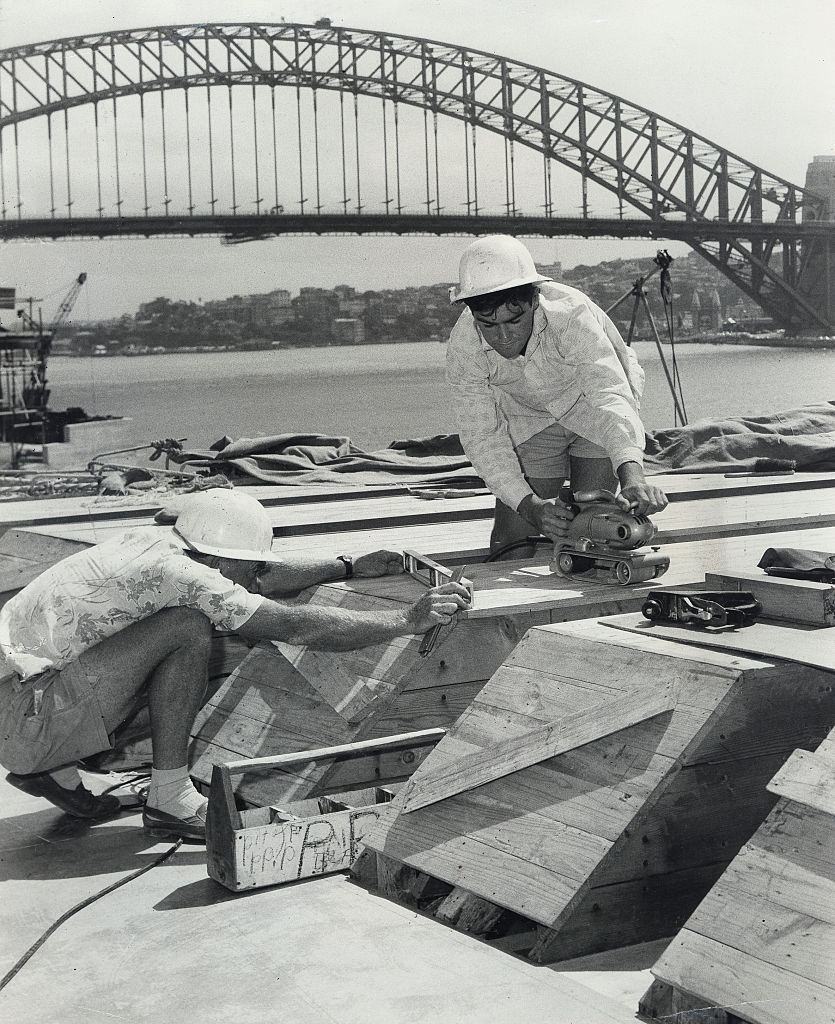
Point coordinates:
[[766, 234]]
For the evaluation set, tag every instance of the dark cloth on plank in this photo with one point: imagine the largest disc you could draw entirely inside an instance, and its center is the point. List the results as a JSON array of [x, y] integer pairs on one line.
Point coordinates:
[[803, 439], [301, 459], [799, 564]]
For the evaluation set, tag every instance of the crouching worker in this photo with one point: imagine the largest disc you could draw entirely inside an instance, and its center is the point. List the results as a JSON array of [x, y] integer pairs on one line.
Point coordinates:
[[544, 389], [130, 620]]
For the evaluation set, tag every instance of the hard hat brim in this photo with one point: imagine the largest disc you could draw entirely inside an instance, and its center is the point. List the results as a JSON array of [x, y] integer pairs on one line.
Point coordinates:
[[459, 295], [239, 554]]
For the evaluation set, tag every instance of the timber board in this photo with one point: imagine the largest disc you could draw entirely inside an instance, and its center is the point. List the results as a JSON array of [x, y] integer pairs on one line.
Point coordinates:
[[809, 645], [359, 501], [807, 779], [680, 521], [805, 601]]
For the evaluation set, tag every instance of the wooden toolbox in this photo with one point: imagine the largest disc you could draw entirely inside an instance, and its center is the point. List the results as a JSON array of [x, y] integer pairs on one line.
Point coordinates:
[[248, 849]]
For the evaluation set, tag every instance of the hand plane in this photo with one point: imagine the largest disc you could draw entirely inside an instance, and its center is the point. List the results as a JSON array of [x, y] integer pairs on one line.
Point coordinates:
[[606, 543], [702, 607]]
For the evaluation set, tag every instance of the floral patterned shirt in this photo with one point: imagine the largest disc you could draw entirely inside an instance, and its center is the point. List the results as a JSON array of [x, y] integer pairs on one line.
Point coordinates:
[[97, 592]]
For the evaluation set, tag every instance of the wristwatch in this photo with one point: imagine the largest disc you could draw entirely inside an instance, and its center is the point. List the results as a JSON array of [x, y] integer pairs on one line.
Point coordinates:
[[348, 562]]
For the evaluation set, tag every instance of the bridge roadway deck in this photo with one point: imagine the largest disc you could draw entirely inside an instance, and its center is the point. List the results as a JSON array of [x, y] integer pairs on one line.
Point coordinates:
[[241, 227]]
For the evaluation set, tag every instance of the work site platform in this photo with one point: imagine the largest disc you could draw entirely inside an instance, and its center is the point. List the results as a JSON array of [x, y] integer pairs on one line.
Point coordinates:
[[172, 945], [328, 949]]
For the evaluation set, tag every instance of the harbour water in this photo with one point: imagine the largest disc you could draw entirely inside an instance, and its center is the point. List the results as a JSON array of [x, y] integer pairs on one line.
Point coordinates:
[[378, 393]]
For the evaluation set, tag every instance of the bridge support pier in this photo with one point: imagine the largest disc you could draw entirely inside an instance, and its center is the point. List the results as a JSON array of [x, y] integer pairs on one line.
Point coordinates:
[[818, 255]]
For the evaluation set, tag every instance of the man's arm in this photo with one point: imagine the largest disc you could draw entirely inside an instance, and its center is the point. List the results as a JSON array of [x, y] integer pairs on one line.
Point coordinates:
[[293, 574], [342, 629]]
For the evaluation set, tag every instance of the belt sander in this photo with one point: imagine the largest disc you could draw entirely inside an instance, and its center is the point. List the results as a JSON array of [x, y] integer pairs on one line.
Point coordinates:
[[606, 543]]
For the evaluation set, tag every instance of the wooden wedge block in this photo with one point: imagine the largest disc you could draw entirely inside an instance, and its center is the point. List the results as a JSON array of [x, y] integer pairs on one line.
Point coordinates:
[[616, 840], [791, 600]]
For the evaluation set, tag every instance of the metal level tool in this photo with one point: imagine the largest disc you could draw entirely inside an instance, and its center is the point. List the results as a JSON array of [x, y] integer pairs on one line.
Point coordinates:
[[606, 543], [433, 575]]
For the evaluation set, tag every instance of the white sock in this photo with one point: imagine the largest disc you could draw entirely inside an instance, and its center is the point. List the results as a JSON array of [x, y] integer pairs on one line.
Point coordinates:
[[67, 776], [172, 791]]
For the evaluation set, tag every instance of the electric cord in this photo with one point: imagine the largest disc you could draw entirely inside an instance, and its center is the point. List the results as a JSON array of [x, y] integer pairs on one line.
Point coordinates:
[[36, 945], [514, 544]]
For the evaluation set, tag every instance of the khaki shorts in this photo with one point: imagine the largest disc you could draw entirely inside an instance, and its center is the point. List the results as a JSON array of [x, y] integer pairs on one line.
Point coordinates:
[[546, 454], [51, 719]]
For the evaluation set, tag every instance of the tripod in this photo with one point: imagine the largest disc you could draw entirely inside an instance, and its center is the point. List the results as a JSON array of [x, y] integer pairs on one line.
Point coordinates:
[[662, 263]]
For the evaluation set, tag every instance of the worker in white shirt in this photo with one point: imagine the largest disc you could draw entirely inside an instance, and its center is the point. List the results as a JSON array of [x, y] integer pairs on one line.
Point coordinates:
[[131, 619], [544, 390]]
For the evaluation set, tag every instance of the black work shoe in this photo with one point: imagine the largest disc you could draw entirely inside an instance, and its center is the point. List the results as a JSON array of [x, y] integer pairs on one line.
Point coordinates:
[[78, 802], [162, 825]]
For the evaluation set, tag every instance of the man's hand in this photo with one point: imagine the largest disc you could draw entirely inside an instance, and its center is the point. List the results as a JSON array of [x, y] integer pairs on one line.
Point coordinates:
[[643, 499], [636, 494], [437, 607], [551, 518], [378, 563]]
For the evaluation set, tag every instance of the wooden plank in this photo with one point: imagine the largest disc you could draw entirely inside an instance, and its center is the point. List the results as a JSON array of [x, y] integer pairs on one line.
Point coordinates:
[[496, 873], [511, 587], [808, 645], [469, 538], [300, 783], [329, 497], [672, 822], [664, 1003], [469, 913], [625, 913], [761, 928], [744, 985], [528, 584], [566, 734], [807, 779], [794, 600], [790, 872], [704, 815], [24, 556], [358, 749]]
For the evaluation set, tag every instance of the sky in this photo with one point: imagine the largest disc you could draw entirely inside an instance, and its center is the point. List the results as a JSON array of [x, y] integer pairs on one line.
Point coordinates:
[[755, 76]]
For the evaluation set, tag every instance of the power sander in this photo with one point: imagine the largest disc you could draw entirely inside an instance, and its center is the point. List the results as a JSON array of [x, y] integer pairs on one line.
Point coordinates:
[[606, 543]]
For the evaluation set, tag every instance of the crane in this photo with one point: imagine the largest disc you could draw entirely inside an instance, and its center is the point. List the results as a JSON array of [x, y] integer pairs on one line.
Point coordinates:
[[35, 394]]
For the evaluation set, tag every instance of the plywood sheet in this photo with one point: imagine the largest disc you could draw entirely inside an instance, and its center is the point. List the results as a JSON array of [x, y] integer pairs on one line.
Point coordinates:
[[807, 645]]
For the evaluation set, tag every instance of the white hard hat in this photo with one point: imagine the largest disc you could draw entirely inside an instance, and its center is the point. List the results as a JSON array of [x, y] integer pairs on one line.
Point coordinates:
[[227, 524], [491, 264]]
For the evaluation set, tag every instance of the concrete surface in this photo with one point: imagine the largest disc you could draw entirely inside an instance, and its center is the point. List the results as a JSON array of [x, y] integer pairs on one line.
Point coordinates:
[[173, 946]]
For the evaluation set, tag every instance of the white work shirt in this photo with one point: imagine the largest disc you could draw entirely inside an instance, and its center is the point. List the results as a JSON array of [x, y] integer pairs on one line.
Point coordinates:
[[97, 592], [575, 371]]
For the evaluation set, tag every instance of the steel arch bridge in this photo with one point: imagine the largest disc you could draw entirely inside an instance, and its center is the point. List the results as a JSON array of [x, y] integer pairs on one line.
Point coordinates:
[[137, 166]]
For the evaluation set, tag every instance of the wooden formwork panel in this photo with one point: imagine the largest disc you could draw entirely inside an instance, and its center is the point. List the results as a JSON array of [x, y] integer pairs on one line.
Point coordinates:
[[283, 698], [616, 840], [760, 947]]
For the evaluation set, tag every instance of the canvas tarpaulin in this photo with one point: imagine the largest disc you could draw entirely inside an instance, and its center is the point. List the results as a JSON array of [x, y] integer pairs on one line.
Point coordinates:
[[801, 438]]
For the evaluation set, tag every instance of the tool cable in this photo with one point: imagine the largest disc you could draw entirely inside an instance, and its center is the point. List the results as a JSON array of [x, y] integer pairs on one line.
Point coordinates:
[[36, 945]]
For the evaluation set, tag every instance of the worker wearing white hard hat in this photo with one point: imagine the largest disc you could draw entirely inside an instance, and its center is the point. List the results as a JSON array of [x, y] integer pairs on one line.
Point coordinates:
[[544, 390], [130, 621]]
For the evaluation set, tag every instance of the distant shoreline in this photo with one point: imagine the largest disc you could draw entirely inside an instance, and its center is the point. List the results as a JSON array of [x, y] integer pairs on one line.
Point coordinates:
[[761, 340]]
